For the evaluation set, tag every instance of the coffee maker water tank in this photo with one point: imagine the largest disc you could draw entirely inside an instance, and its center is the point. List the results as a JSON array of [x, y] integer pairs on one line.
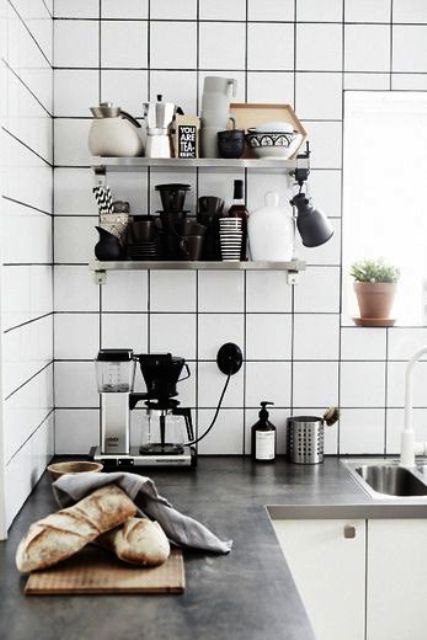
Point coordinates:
[[115, 372]]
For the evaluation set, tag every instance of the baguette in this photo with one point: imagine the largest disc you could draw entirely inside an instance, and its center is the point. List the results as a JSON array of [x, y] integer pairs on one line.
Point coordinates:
[[138, 541], [61, 534]]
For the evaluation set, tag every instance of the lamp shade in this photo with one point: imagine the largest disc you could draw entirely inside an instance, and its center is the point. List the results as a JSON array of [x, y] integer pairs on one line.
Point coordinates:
[[313, 226]]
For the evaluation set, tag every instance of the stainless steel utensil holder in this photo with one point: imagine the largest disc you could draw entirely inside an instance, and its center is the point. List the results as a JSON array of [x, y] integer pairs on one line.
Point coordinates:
[[305, 440]]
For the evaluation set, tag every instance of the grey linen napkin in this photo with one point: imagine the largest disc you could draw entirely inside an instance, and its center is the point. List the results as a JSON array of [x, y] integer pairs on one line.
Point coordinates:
[[180, 529]]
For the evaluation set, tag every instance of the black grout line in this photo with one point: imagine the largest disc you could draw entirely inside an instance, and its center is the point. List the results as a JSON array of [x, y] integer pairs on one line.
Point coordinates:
[[320, 23], [341, 283], [24, 144], [30, 33], [295, 54], [255, 406], [27, 205], [48, 10], [99, 69], [23, 384], [25, 85], [282, 70], [22, 445], [246, 53], [386, 390], [27, 322], [391, 44], [149, 52], [281, 361]]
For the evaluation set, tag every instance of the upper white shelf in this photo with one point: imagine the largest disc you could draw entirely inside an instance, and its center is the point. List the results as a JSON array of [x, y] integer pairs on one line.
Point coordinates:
[[137, 164]]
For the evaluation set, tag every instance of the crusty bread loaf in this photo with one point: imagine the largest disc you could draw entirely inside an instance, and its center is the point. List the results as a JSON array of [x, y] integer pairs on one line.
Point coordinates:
[[138, 541], [61, 534]]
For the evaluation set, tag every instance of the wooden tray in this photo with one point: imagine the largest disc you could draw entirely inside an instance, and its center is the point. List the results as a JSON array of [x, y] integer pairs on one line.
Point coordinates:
[[96, 571], [252, 114]]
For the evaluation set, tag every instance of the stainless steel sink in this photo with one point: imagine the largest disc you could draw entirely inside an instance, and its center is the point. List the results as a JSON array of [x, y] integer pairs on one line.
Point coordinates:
[[386, 479]]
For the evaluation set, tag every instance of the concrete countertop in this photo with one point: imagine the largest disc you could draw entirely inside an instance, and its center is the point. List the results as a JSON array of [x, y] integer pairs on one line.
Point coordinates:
[[247, 595]]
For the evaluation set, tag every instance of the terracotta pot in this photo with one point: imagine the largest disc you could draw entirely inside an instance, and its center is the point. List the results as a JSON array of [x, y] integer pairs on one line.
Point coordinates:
[[375, 299]]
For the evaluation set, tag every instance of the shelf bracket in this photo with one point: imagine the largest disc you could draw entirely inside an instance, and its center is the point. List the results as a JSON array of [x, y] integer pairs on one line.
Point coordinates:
[[293, 277], [100, 277], [100, 173]]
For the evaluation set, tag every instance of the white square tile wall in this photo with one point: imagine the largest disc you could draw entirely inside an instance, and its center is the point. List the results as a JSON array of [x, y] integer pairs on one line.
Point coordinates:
[[177, 10], [279, 55], [67, 33], [173, 45], [26, 160], [271, 10], [222, 10], [124, 9], [123, 44], [368, 11], [319, 47], [296, 353], [315, 11], [367, 48], [213, 55]]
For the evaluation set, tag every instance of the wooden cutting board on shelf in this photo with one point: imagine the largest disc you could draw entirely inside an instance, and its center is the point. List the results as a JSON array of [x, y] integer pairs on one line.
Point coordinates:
[[252, 114], [96, 571]]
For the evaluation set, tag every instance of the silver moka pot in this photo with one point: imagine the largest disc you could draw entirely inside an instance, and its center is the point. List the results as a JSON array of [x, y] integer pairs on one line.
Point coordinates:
[[159, 117]]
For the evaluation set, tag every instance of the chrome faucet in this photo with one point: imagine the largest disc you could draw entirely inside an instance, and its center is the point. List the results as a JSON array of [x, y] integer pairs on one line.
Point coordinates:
[[408, 447]]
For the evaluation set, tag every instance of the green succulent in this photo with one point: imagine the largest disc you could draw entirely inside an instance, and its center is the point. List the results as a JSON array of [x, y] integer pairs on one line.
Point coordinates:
[[374, 271]]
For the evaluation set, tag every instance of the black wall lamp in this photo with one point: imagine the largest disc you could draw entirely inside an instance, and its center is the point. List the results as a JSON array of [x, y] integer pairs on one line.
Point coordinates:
[[312, 224]]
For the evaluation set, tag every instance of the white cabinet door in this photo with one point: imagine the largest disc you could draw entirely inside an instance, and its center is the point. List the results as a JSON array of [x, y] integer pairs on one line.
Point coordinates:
[[329, 571], [397, 580]]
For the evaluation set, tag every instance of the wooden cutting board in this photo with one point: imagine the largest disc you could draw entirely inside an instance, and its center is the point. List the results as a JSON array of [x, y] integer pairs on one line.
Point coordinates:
[[252, 114], [96, 571]]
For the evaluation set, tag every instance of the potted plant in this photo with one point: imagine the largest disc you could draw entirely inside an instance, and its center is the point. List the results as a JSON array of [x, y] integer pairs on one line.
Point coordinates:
[[375, 287]]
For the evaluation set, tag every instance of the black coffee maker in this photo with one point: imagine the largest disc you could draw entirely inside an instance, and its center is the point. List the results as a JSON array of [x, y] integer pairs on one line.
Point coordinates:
[[163, 428], [167, 427]]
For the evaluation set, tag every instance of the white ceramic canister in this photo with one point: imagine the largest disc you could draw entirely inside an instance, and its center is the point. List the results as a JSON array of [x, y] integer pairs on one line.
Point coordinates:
[[271, 231]]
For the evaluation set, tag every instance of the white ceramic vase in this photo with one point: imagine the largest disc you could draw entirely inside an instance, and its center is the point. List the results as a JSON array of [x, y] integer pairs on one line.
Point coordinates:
[[271, 231]]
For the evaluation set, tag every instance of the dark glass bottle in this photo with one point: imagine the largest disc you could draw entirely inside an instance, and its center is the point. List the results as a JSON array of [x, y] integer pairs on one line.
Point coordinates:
[[238, 210], [263, 437]]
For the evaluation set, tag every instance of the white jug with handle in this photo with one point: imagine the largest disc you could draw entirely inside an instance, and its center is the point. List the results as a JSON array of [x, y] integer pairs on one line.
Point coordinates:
[[216, 98], [215, 112]]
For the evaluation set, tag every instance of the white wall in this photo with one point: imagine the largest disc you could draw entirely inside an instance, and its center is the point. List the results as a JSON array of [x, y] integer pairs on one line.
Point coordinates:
[[297, 354], [26, 300]]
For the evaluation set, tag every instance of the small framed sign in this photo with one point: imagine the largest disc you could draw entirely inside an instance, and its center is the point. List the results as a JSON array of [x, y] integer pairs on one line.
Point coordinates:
[[187, 136]]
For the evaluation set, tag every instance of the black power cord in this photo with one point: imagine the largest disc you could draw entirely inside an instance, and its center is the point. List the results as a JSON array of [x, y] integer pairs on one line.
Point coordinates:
[[214, 419]]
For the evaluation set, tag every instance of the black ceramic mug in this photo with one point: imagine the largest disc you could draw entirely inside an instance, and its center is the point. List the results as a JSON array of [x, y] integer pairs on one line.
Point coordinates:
[[231, 143]]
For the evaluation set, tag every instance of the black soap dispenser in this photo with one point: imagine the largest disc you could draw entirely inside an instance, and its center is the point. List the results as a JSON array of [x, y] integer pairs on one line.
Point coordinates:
[[263, 437]]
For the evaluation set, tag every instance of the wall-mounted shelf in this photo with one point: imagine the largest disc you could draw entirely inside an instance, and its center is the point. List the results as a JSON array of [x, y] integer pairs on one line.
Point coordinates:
[[102, 165], [292, 268]]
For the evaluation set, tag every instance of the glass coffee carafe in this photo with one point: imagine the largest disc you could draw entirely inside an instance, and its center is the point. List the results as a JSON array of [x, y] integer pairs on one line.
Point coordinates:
[[163, 432]]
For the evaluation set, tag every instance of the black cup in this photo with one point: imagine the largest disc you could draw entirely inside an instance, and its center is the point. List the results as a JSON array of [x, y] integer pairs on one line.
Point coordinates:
[[209, 207], [173, 195], [192, 247], [142, 231], [231, 143], [190, 227]]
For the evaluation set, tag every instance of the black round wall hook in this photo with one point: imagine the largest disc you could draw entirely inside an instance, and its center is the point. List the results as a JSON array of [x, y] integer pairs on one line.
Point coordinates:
[[229, 358]]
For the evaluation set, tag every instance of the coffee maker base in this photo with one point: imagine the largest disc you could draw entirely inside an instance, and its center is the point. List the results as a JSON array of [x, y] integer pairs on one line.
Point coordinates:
[[136, 460]]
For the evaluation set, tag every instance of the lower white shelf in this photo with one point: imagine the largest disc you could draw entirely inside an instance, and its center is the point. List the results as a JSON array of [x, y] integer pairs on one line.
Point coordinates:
[[100, 269]]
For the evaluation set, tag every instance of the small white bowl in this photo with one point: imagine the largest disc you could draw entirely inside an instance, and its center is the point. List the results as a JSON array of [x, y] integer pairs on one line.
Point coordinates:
[[274, 127]]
